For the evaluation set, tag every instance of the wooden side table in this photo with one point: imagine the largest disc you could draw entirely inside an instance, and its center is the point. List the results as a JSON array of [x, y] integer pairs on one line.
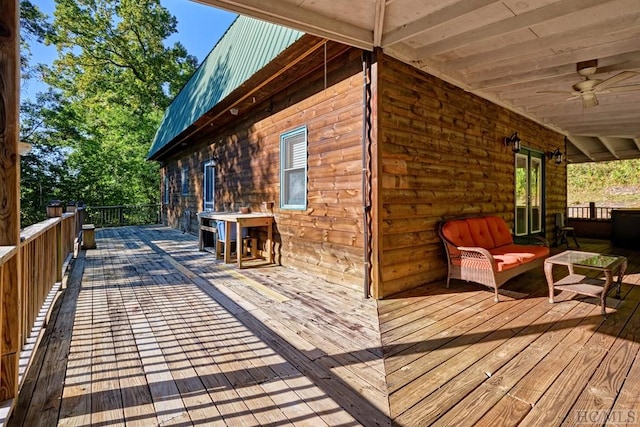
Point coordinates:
[[241, 220]]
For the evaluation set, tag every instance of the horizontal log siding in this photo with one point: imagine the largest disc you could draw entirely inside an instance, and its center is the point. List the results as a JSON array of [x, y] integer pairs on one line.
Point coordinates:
[[327, 238], [441, 155]]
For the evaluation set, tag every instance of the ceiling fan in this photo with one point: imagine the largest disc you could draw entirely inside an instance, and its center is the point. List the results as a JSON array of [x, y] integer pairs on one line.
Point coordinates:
[[588, 88]]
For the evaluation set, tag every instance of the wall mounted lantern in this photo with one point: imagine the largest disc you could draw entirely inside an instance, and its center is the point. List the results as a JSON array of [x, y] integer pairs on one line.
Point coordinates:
[[513, 141], [556, 155], [212, 151]]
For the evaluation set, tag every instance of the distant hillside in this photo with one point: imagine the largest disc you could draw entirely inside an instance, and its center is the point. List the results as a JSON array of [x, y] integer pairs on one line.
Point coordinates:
[[615, 183]]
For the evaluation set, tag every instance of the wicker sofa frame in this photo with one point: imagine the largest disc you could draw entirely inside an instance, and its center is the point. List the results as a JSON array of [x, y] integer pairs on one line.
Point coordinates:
[[477, 264]]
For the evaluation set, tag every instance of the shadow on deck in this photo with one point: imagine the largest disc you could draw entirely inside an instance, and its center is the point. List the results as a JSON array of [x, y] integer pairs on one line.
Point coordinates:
[[152, 332]]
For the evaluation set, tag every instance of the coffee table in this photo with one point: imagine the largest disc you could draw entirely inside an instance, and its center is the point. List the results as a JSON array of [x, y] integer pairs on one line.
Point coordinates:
[[583, 285]]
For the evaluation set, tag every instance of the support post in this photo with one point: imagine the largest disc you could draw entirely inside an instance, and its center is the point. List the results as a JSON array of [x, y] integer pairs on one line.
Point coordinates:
[[10, 306], [592, 210]]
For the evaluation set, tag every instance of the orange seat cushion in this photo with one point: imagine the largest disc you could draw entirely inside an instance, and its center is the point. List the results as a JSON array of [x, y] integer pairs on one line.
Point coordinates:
[[507, 261], [523, 253]]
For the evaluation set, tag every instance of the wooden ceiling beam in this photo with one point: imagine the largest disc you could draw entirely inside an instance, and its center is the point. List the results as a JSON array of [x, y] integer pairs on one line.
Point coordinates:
[[419, 26], [536, 78], [619, 131], [607, 144], [301, 19], [574, 108], [528, 89], [378, 25], [620, 51], [524, 20], [621, 119], [554, 41], [580, 145]]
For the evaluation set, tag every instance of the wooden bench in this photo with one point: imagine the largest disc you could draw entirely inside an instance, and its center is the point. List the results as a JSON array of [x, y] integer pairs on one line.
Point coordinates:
[[482, 250]]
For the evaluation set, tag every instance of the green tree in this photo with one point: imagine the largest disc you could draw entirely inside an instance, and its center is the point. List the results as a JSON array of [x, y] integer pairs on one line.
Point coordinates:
[[613, 183], [34, 27], [41, 168], [114, 77]]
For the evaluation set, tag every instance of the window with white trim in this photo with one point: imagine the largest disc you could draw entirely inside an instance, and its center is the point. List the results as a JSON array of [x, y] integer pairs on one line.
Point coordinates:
[[293, 169], [185, 181], [166, 188], [208, 184]]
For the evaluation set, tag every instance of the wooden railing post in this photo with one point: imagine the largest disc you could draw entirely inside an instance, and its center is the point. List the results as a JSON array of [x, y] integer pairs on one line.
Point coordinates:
[[10, 325], [54, 209], [592, 210], [60, 255]]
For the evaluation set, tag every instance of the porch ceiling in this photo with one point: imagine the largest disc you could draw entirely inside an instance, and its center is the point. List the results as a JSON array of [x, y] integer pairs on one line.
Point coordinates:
[[506, 51]]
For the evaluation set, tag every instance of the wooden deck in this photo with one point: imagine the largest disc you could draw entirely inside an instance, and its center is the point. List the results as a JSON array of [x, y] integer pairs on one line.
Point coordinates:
[[149, 331], [165, 335], [454, 357]]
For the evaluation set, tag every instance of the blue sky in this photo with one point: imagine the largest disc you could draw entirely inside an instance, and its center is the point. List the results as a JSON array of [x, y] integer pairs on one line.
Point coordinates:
[[199, 28]]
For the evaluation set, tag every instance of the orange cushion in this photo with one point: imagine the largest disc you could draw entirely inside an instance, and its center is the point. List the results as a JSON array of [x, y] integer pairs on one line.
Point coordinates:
[[523, 253], [507, 261], [480, 233], [457, 232], [499, 231]]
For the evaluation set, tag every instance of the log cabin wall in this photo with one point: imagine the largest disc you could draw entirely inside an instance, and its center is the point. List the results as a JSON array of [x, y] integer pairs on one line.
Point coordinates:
[[441, 155], [326, 239]]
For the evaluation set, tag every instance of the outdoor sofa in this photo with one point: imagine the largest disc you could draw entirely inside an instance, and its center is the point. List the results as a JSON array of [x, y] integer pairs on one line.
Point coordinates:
[[482, 250]]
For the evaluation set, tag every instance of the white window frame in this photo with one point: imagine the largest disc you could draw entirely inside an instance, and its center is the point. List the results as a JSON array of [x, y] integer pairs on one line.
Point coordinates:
[[209, 205], [532, 213], [286, 158], [166, 188], [184, 181]]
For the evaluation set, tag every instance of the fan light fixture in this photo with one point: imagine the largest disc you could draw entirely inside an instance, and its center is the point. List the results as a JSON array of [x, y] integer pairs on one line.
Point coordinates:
[[589, 89], [514, 141], [556, 155]]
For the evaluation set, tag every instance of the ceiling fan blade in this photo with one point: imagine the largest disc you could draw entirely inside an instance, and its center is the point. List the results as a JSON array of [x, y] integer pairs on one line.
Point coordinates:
[[627, 88], [589, 101], [571, 98], [614, 80]]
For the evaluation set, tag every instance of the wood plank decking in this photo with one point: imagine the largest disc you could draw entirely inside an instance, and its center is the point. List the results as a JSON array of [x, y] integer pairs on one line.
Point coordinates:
[[164, 335], [454, 357], [152, 332]]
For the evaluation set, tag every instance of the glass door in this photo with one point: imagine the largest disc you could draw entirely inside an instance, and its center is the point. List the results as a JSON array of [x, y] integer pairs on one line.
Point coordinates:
[[209, 185], [529, 194]]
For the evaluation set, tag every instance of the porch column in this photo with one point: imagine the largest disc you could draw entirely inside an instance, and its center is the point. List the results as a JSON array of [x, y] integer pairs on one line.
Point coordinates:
[[9, 195]]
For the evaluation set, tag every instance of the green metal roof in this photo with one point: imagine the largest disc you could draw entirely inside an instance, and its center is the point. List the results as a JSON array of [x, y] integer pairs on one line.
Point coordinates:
[[246, 47]]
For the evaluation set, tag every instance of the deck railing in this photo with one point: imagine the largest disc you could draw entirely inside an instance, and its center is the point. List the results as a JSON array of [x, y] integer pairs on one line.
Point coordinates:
[[589, 212], [44, 247], [117, 216]]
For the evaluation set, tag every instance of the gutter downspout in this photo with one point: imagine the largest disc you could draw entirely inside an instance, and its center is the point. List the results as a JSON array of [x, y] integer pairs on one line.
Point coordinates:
[[366, 168]]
